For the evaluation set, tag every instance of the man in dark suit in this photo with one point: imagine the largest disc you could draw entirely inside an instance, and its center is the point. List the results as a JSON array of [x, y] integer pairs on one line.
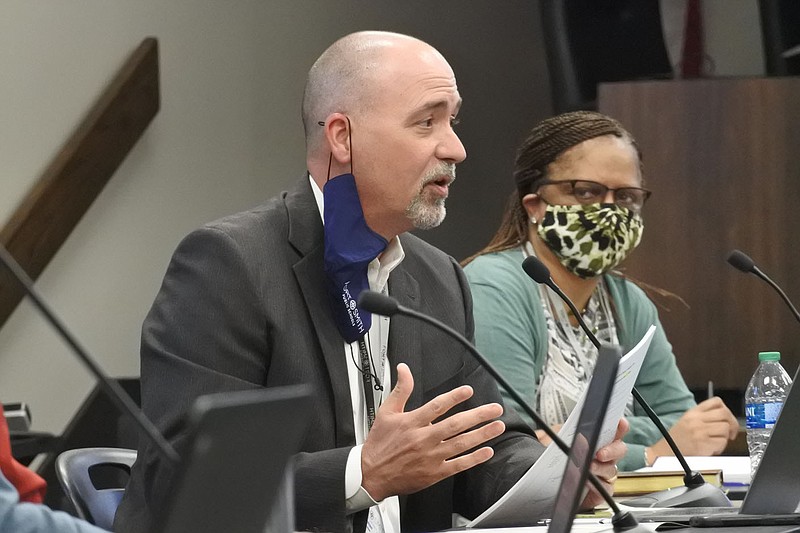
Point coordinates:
[[246, 303]]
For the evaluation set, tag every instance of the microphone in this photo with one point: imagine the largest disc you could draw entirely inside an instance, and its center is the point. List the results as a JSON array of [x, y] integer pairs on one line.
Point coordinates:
[[112, 389], [742, 261], [380, 304], [695, 492]]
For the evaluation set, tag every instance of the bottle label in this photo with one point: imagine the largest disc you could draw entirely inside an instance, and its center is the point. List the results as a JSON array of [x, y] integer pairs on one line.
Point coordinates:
[[762, 415]]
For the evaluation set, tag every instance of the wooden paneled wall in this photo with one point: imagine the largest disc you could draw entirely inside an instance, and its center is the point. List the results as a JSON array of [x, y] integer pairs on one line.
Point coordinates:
[[723, 159]]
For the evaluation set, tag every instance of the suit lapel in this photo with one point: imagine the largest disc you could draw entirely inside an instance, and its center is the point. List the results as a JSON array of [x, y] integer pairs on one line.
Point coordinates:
[[305, 234], [405, 341]]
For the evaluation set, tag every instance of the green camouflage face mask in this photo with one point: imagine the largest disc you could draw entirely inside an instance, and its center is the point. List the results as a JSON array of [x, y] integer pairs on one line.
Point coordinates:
[[590, 240]]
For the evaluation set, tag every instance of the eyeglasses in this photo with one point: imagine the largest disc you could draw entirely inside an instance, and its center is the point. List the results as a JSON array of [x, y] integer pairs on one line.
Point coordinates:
[[591, 192]]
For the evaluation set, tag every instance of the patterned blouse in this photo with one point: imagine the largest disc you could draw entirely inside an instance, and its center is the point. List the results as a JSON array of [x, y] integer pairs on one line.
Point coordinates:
[[571, 356]]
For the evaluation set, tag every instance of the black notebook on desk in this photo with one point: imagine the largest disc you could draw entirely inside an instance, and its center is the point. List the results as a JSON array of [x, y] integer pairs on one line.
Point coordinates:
[[235, 468], [774, 490]]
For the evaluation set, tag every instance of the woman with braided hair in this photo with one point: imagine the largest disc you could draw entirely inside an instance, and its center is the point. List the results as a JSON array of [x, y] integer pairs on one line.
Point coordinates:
[[577, 207]]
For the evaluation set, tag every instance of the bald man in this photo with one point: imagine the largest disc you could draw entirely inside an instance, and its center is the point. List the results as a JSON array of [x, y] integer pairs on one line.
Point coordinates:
[[407, 429]]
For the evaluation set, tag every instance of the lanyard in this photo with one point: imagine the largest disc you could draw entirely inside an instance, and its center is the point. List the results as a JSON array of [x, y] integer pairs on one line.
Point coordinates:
[[366, 376]]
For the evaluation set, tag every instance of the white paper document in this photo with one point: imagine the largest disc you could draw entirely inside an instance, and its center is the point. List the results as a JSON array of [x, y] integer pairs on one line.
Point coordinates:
[[533, 496]]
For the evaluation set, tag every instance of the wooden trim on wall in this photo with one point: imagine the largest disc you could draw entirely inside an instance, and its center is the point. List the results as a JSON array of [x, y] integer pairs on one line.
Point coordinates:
[[79, 171]]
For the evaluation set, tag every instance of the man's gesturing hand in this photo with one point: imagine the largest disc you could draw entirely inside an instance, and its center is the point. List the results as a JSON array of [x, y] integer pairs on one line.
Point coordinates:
[[407, 451]]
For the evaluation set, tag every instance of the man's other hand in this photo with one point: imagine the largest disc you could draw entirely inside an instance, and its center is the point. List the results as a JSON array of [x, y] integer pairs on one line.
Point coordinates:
[[408, 451]]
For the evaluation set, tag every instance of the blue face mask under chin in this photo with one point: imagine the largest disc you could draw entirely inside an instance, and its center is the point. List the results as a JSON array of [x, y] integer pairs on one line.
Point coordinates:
[[350, 246]]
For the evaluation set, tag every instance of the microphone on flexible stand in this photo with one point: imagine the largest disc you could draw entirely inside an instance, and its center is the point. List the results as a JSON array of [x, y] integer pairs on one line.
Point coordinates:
[[112, 389], [780, 444], [742, 261], [695, 492], [380, 304]]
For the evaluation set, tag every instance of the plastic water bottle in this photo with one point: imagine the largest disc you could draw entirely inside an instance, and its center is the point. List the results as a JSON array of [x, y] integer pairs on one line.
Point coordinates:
[[764, 399]]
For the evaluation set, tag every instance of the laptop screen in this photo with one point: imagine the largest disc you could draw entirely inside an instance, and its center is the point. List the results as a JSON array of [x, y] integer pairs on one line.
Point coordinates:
[[236, 462]]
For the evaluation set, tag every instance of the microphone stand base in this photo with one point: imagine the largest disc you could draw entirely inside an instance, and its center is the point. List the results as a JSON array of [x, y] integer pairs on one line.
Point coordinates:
[[705, 495], [625, 521]]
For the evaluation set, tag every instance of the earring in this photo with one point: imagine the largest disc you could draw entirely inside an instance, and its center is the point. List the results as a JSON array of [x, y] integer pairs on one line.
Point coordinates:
[[534, 221]]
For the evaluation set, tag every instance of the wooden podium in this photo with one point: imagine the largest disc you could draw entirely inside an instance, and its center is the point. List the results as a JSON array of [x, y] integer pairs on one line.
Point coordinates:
[[722, 157]]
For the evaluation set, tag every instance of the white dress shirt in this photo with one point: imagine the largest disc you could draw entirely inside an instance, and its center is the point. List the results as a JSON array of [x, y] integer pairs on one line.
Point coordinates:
[[384, 515]]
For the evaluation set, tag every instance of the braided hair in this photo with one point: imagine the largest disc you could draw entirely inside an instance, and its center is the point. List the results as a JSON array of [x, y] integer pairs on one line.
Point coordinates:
[[544, 145]]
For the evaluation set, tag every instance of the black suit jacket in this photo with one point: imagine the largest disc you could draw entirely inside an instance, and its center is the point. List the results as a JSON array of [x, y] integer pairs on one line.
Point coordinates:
[[243, 305]]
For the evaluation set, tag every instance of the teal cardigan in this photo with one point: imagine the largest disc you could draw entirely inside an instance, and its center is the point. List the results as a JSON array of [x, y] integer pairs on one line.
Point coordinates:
[[511, 331]]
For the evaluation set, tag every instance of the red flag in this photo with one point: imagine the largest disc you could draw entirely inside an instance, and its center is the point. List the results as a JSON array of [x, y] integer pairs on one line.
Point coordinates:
[[692, 56]]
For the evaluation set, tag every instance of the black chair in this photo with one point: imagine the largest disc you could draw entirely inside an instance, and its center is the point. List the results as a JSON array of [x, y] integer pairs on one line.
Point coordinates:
[[592, 41], [97, 423], [780, 30], [94, 497]]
